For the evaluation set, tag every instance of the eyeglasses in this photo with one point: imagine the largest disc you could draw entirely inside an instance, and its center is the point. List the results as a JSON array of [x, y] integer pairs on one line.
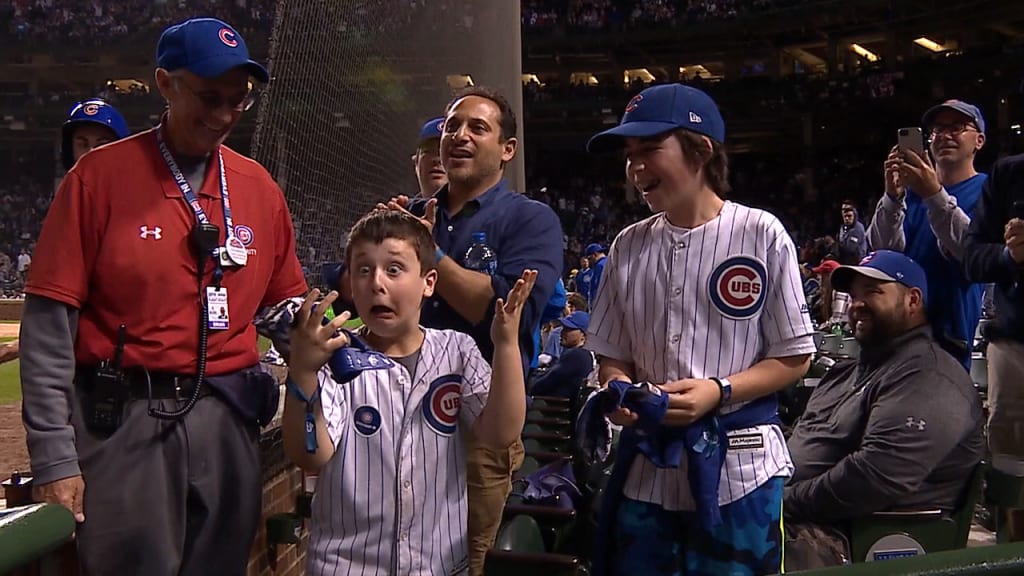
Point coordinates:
[[213, 101], [951, 129]]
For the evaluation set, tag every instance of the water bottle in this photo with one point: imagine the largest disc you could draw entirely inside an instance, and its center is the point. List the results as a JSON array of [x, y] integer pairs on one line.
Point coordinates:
[[480, 257]]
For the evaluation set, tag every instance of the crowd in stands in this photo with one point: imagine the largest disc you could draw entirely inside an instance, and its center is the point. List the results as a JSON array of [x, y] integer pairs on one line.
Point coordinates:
[[617, 14], [98, 22]]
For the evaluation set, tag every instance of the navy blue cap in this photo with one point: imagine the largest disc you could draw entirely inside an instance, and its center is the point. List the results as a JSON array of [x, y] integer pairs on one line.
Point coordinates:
[[884, 265], [660, 109], [592, 249], [576, 321], [432, 129], [969, 110], [206, 47]]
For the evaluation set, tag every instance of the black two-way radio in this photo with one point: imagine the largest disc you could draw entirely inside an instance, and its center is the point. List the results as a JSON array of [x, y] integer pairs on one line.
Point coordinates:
[[109, 391]]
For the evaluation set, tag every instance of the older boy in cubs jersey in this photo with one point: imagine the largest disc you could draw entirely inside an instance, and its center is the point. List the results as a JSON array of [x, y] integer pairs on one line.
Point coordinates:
[[391, 493], [704, 300]]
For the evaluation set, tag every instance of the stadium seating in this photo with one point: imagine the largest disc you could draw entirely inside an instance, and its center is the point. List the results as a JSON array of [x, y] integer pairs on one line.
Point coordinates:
[[1002, 560], [888, 535]]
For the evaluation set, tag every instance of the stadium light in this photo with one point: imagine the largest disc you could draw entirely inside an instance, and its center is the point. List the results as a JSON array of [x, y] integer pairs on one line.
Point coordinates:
[[642, 74], [864, 53], [458, 81], [697, 69], [929, 44]]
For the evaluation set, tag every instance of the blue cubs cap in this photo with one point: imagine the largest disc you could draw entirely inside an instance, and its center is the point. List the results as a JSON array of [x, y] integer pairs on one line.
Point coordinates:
[[432, 129], [576, 321], [206, 47], [660, 109], [592, 249], [93, 111], [884, 265], [969, 110]]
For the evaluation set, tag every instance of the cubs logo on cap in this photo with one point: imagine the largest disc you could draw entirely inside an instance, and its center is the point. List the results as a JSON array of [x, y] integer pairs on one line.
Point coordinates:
[[738, 287], [634, 102], [90, 109], [441, 404], [366, 420], [227, 36]]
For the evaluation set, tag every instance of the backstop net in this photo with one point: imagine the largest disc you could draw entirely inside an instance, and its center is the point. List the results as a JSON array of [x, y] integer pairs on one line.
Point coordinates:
[[351, 83]]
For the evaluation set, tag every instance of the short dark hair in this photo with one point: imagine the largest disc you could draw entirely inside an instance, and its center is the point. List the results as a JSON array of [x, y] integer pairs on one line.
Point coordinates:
[[382, 224], [715, 161], [577, 301], [508, 116]]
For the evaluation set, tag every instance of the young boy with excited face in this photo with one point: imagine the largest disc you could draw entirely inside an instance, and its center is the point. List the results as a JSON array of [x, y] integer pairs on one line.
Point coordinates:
[[391, 492]]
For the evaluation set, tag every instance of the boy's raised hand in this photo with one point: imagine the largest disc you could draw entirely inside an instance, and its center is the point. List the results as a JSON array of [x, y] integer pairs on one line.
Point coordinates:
[[312, 341], [508, 312]]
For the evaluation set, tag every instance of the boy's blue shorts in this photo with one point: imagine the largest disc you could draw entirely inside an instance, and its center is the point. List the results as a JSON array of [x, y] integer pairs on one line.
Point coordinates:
[[657, 542]]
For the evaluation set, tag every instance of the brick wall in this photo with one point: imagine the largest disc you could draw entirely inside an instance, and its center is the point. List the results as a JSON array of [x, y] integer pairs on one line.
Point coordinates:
[[282, 482], [10, 310]]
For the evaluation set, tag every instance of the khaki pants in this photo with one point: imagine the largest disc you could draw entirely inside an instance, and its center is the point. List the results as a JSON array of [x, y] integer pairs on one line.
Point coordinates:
[[488, 483], [1006, 405]]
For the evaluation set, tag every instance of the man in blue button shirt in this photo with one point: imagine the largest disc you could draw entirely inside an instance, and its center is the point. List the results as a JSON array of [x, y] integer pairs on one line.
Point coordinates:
[[478, 141]]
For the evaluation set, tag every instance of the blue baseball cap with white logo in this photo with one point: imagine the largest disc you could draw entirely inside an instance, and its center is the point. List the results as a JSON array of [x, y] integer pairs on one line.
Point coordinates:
[[661, 109], [576, 321], [887, 266], [432, 129], [206, 47], [970, 110]]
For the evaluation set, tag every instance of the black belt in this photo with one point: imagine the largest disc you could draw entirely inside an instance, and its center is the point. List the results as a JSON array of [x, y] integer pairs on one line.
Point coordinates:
[[158, 386]]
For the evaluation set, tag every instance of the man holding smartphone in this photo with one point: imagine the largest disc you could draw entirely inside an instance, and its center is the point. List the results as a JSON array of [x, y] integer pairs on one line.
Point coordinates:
[[929, 224]]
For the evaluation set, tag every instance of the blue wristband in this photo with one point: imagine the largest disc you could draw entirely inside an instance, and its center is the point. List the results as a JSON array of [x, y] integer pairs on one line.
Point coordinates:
[[439, 254], [293, 388]]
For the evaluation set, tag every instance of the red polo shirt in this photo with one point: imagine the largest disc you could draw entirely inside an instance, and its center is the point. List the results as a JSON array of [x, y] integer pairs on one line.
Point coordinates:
[[115, 245]]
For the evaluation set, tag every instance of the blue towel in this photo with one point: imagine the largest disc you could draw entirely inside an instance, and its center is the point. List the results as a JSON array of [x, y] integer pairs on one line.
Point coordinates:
[[706, 440], [349, 361]]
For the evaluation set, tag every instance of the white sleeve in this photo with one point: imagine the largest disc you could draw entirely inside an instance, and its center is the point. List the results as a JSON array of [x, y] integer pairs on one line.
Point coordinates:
[[332, 404], [786, 324], [476, 382], [607, 335]]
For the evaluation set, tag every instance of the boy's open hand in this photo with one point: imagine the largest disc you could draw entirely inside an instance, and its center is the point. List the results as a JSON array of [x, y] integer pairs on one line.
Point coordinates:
[[508, 312], [312, 341]]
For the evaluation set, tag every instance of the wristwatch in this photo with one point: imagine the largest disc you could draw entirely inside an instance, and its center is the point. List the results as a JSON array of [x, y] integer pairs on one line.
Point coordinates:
[[725, 387]]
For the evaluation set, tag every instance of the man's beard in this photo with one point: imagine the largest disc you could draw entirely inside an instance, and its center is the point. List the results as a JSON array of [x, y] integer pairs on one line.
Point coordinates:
[[880, 329]]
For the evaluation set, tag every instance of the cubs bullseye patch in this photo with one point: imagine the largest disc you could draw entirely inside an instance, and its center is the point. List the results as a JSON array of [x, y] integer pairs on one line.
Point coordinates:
[[441, 404], [244, 233], [738, 287], [366, 420]]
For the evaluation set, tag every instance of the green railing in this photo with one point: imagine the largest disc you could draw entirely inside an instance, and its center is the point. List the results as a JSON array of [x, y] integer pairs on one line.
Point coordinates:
[[30, 533]]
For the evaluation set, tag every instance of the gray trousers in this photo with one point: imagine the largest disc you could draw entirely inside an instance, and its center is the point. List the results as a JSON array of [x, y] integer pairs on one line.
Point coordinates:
[[170, 498]]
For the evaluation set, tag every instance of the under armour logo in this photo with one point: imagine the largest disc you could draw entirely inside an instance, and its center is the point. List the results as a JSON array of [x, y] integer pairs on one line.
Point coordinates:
[[155, 233], [695, 118], [919, 424]]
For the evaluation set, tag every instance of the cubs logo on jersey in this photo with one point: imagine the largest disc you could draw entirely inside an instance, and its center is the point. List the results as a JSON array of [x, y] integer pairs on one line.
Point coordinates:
[[738, 287], [441, 404]]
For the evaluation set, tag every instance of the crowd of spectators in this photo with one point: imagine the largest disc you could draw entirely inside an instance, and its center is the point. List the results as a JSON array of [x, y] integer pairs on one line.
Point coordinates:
[[98, 22], [618, 14]]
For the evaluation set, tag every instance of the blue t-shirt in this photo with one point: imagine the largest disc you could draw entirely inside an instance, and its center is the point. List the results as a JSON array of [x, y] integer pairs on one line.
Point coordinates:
[[954, 303]]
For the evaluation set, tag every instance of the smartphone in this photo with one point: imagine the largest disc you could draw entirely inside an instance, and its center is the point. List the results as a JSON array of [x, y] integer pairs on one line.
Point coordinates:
[[911, 139]]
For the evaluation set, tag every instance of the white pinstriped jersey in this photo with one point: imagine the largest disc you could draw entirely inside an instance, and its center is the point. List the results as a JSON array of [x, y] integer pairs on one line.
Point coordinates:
[[698, 303], [392, 498]]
